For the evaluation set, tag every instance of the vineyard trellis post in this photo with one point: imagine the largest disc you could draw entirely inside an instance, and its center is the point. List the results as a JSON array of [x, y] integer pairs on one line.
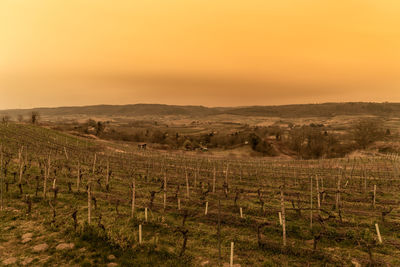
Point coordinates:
[[378, 233], [21, 164], [219, 232], [94, 163], [232, 248], [140, 234], [89, 192], [108, 175], [283, 217], [311, 202], [1, 177], [214, 174], [165, 190], [78, 177], [46, 175], [318, 194], [133, 197], [187, 184]]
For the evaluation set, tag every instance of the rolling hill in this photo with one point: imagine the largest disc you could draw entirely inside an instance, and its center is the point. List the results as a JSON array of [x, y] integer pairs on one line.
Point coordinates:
[[299, 110]]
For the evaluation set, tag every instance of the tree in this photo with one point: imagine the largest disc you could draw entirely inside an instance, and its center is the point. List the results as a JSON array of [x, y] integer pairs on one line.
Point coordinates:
[[5, 119], [262, 146], [100, 127], [34, 117], [367, 131]]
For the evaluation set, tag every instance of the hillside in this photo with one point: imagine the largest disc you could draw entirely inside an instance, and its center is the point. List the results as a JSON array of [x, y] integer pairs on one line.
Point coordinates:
[[300, 110], [68, 202]]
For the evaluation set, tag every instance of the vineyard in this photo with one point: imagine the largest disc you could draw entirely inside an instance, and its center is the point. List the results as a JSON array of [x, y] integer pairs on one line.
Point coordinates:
[[71, 201]]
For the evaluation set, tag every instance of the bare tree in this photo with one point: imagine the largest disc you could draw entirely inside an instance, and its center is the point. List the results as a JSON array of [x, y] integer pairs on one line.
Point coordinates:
[[5, 119], [34, 117], [367, 131]]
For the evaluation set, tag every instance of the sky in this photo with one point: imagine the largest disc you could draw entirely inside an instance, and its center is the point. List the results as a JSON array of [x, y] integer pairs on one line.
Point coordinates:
[[198, 52]]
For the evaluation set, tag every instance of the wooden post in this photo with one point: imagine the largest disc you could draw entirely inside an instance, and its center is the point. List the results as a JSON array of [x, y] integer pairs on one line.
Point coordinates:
[[365, 179], [311, 203], [78, 177], [206, 211], [89, 203], [318, 194], [66, 154], [322, 188], [241, 212], [214, 177], [179, 204], [2, 177], [195, 177], [133, 197], [46, 175], [140, 234], [374, 200], [378, 233], [145, 214], [94, 162], [108, 174], [283, 218], [187, 184], [226, 173], [165, 191], [232, 247], [219, 232], [54, 183], [21, 163], [338, 193], [280, 218]]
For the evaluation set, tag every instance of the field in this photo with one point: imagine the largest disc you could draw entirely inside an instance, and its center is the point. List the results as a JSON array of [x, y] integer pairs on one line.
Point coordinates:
[[71, 201]]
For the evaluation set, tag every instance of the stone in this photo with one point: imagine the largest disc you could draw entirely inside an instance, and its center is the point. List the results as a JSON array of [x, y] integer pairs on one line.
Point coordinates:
[[9, 261], [204, 263], [64, 246], [41, 247], [355, 263], [111, 257], [26, 240], [26, 261], [27, 235]]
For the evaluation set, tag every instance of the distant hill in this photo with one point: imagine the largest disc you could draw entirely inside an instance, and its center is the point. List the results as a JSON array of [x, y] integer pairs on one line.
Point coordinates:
[[320, 110], [301, 110], [119, 110]]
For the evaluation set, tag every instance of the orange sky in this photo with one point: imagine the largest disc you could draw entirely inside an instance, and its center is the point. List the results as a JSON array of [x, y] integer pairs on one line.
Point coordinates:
[[213, 53]]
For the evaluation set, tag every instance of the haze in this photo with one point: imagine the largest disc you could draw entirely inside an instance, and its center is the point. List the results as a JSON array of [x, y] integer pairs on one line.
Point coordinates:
[[213, 53]]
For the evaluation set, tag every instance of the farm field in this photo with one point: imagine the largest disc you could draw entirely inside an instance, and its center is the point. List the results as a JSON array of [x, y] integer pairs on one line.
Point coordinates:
[[70, 201]]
